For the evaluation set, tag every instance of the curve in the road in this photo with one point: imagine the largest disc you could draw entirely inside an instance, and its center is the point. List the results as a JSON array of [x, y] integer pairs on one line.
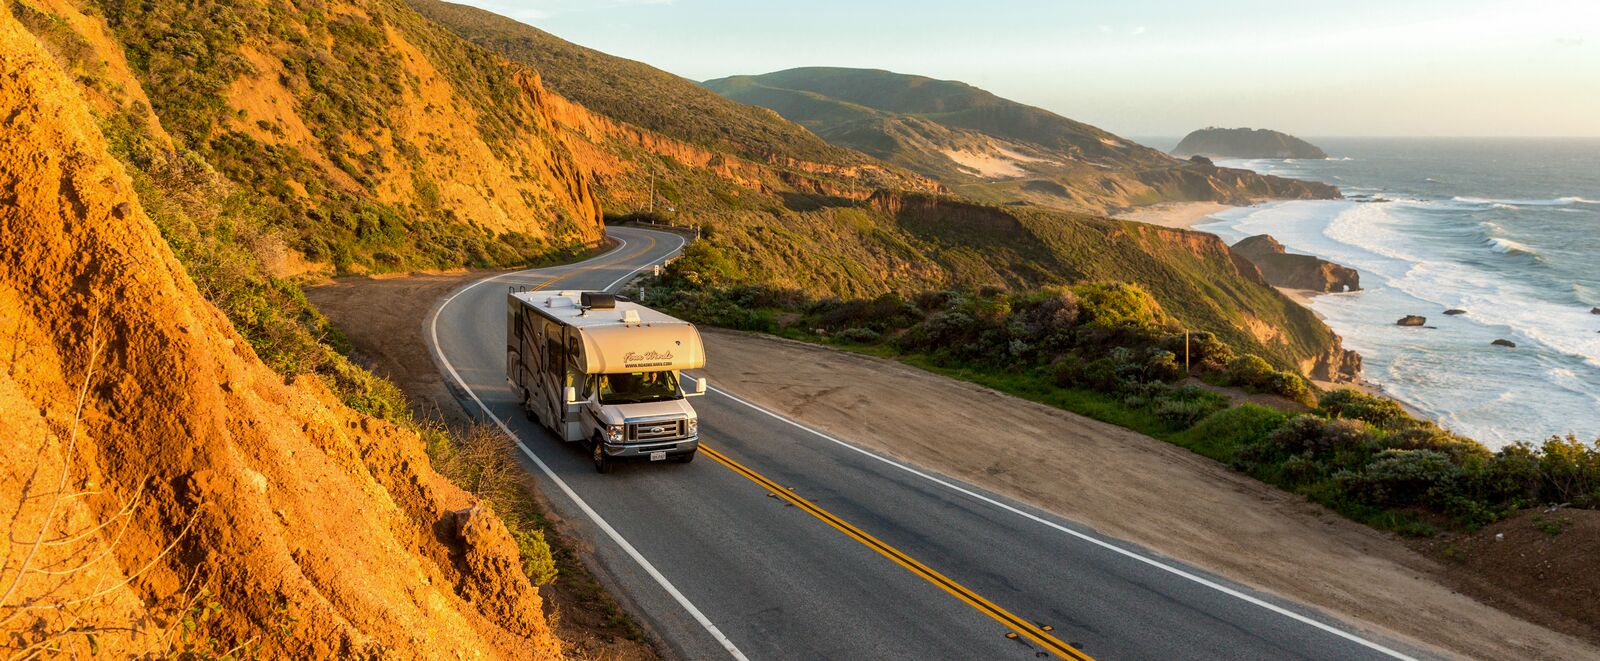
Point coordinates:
[[600, 522], [1271, 637]]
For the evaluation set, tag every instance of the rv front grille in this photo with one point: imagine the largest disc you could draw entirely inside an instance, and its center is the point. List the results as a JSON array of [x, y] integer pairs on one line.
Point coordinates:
[[656, 431]]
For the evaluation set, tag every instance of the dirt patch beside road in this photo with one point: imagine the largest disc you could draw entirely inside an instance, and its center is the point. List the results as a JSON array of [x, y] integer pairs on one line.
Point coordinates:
[[1126, 485], [383, 317]]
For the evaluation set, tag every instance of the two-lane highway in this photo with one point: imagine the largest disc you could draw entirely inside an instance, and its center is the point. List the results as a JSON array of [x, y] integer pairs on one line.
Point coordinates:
[[781, 542]]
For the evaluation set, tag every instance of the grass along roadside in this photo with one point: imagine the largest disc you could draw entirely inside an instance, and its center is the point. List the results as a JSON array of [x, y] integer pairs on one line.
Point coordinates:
[[1108, 351]]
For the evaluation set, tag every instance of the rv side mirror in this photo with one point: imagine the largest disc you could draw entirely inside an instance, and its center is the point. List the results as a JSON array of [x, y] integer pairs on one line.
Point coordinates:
[[699, 387], [572, 395]]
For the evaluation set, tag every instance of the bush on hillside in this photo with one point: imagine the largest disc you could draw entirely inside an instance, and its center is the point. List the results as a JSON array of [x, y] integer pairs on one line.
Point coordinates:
[[1379, 412]]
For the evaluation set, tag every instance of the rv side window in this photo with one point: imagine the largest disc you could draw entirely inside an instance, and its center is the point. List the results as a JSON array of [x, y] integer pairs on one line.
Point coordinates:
[[552, 348]]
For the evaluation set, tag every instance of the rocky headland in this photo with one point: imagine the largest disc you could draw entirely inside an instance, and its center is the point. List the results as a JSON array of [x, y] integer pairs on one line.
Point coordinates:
[[1283, 269], [1215, 142]]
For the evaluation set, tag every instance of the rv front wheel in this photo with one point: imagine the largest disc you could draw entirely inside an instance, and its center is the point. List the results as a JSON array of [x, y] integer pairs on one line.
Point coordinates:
[[602, 463], [685, 458]]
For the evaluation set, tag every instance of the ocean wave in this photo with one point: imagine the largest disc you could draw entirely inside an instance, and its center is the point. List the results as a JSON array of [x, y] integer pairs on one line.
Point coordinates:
[[1508, 247], [1513, 203]]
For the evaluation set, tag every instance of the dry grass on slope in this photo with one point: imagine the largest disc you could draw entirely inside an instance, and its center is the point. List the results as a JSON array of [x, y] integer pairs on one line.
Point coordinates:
[[264, 512]]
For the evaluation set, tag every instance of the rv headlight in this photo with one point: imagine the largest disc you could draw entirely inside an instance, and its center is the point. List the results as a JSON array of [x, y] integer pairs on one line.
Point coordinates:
[[694, 426], [614, 433]]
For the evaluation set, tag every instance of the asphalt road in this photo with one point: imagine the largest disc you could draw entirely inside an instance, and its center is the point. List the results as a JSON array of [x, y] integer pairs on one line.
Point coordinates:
[[861, 557]]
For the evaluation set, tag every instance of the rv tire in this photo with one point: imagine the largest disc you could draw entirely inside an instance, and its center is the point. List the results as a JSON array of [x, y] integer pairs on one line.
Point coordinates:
[[597, 452]]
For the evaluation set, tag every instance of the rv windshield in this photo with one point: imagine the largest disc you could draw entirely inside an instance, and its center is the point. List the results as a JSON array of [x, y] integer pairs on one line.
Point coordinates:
[[638, 387]]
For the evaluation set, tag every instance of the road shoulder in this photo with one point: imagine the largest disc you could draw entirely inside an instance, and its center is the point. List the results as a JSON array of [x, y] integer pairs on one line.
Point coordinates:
[[1125, 485]]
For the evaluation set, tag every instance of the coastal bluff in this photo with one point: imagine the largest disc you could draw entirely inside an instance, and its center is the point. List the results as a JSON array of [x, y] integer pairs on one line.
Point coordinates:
[[1215, 142], [1283, 269]]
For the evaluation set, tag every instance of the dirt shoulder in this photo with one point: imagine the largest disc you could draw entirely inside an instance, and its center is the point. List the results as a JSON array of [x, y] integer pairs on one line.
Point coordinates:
[[383, 318], [1132, 487]]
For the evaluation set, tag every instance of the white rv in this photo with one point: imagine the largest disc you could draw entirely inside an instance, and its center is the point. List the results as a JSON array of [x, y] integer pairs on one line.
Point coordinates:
[[607, 373]]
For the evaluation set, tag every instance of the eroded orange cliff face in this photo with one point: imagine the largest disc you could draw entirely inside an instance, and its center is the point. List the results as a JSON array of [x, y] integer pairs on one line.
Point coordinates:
[[175, 470]]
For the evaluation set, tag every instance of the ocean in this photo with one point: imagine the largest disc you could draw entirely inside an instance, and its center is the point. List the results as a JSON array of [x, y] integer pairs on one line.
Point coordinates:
[[1506, 229]]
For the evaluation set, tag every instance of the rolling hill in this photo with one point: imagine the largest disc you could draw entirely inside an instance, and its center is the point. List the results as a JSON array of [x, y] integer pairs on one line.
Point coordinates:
[[994, 149]]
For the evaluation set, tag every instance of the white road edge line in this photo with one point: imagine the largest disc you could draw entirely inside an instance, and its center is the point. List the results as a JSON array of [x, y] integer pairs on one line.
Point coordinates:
[[611, 532], [1088, 538]]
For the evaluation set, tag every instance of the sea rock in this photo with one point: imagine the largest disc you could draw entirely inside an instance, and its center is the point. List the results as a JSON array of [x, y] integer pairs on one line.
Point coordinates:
[[1504, 343], [1454, 312], [1412, 320], [1245, 143], [1282, 269], [1595, 311]]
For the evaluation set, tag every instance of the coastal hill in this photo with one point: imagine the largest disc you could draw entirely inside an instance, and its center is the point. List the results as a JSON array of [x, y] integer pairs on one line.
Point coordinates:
[[994, 149], [1245, 143], [783, 207]]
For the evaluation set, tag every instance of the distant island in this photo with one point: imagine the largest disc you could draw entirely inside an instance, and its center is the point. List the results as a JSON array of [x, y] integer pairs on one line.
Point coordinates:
[[1245, 143]]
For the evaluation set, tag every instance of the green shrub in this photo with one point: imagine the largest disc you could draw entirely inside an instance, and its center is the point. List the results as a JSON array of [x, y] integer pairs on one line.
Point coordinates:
[[1427, 436], [1570, 471], [1180, 413], [858, 335], [537, 561], [1379, 412], [1113, 304], [1250, 371], [1222, 435], [1301, 469], [1404, 478], [1253, 373]]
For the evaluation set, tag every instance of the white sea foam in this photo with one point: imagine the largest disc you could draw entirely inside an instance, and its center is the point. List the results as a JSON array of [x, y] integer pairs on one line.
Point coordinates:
[[1507, 246], [1552, 202], [1451, 374]]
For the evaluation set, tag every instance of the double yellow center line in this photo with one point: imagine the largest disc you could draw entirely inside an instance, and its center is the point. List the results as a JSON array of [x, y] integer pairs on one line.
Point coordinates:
[[1027, 629], [586, 269]]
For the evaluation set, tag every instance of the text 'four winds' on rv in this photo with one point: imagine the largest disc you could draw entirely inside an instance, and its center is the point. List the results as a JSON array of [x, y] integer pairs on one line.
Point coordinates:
[[606, 372]]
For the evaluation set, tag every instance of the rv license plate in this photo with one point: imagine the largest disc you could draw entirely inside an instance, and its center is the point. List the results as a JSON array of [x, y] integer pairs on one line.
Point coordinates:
[[658, 456]]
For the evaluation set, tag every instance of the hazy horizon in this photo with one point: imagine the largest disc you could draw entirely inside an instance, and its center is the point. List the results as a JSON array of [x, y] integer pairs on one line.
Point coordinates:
[[1364, 69]]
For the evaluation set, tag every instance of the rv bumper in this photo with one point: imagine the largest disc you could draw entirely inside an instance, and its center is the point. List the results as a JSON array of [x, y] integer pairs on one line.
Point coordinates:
[[678, 447]]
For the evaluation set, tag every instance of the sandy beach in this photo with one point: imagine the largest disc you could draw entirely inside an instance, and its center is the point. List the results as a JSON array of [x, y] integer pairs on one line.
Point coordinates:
[[1182, 215]]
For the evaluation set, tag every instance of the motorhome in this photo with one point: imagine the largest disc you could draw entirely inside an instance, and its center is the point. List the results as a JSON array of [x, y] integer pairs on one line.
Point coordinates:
[[606, 372]]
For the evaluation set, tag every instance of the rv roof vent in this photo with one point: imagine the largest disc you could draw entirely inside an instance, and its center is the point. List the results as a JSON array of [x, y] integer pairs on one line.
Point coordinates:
[[630, 316], [598, 301]]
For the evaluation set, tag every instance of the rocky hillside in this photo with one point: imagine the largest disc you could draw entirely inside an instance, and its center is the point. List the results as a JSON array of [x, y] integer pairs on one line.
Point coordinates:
[[172, 496], [1245, 143], [993, 149], [366, 136]]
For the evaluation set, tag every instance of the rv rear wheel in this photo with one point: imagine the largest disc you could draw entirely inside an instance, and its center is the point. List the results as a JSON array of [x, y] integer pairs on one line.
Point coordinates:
[[602, 463]]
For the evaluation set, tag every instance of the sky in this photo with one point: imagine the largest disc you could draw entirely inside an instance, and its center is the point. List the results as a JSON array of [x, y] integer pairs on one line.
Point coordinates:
[[1144, 68]]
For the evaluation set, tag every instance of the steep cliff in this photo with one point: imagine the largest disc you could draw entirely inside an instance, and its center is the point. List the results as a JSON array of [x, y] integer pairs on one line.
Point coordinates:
[[1283, 269], [369, 137], [173, 496], [1245, 143]]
